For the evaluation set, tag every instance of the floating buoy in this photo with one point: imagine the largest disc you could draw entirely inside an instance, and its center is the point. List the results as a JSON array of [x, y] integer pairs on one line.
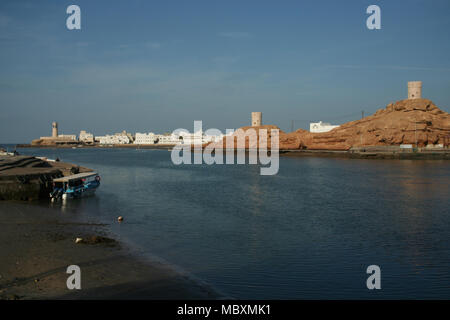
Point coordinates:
[[78, 240], [120, 219]]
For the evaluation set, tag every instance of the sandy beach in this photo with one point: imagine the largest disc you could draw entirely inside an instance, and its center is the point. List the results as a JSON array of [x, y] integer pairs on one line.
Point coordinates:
[[37, 244]]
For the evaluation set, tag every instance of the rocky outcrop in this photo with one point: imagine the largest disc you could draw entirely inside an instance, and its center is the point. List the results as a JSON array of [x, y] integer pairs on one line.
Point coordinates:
[[403, 122]]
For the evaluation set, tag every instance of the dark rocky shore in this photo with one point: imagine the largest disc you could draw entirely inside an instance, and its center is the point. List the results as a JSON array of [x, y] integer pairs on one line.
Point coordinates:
[[372, 153]]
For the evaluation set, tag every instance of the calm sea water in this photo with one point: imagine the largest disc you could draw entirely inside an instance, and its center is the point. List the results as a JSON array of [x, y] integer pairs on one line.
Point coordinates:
[[309, 232]]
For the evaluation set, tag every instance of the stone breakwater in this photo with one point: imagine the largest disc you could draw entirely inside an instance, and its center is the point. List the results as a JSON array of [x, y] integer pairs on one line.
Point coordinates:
[[31, 178]]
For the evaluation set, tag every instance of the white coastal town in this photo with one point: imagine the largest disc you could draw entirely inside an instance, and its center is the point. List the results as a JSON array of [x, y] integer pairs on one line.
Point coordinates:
[[167, 139], [125, 137]]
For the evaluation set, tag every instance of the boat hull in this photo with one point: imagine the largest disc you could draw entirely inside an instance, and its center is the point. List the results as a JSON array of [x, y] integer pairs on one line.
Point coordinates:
[[77, 195]]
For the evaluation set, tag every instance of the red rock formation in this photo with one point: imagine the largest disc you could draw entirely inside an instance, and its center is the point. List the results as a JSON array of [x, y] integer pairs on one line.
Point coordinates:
[[403, 122]]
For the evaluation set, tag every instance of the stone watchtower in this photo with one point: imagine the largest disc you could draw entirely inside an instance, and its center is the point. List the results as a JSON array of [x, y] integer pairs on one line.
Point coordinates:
[[256, 119], [54, 129], [414, 89]]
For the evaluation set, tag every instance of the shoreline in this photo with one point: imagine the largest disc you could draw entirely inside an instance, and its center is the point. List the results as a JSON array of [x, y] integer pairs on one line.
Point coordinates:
[[98, 146], [38, 244], [369, 152], [375, 155]]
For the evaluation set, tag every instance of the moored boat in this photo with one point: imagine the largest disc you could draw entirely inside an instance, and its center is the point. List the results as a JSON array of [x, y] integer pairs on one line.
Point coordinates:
[[75, 186]]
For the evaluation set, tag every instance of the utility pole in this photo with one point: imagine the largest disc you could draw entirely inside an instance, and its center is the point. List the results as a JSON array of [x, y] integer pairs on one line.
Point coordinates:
[[292, 124], [362, 117]]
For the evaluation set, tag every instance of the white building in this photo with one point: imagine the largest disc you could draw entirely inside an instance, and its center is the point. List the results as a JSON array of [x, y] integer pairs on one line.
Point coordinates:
[[125, 133], [168, 139], [86, 137], [113, 139], [321, 127], [192, 138], [145, 138], [71, 137], [176, 138], [198, 138]]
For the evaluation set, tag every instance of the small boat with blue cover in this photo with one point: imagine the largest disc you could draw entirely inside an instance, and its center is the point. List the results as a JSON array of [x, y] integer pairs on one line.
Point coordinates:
[[75, 186]]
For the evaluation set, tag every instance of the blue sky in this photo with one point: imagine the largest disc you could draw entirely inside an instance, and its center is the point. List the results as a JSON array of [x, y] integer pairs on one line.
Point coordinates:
[[156, 66]]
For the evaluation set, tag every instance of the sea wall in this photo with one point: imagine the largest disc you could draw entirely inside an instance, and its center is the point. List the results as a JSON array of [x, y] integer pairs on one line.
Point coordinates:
[[31, 178], [28, 186]]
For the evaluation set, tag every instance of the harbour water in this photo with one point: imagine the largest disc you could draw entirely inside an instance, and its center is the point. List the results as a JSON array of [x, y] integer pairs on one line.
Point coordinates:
[[308, 232]]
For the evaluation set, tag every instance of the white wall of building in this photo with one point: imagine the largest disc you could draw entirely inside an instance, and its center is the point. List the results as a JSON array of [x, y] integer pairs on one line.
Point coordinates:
[[113, 139], [192, 138], [86, 136], [321, 127], [145, 138], [168, 139], [72, 137], [199, 138], [152, 138]]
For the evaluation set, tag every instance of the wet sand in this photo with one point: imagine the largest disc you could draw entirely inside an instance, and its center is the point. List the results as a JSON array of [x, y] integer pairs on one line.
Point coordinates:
[[37, 244]]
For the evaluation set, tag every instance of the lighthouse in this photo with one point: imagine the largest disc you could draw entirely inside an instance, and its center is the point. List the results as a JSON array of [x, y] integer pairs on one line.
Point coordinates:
[[54, 129]]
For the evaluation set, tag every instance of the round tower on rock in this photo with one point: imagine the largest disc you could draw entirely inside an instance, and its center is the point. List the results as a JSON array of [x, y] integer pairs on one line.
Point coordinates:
[[256, 119], [54, 129], [414, 89]]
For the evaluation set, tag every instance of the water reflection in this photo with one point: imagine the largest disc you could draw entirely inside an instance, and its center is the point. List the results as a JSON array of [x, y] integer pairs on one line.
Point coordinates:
[[308, 232]]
